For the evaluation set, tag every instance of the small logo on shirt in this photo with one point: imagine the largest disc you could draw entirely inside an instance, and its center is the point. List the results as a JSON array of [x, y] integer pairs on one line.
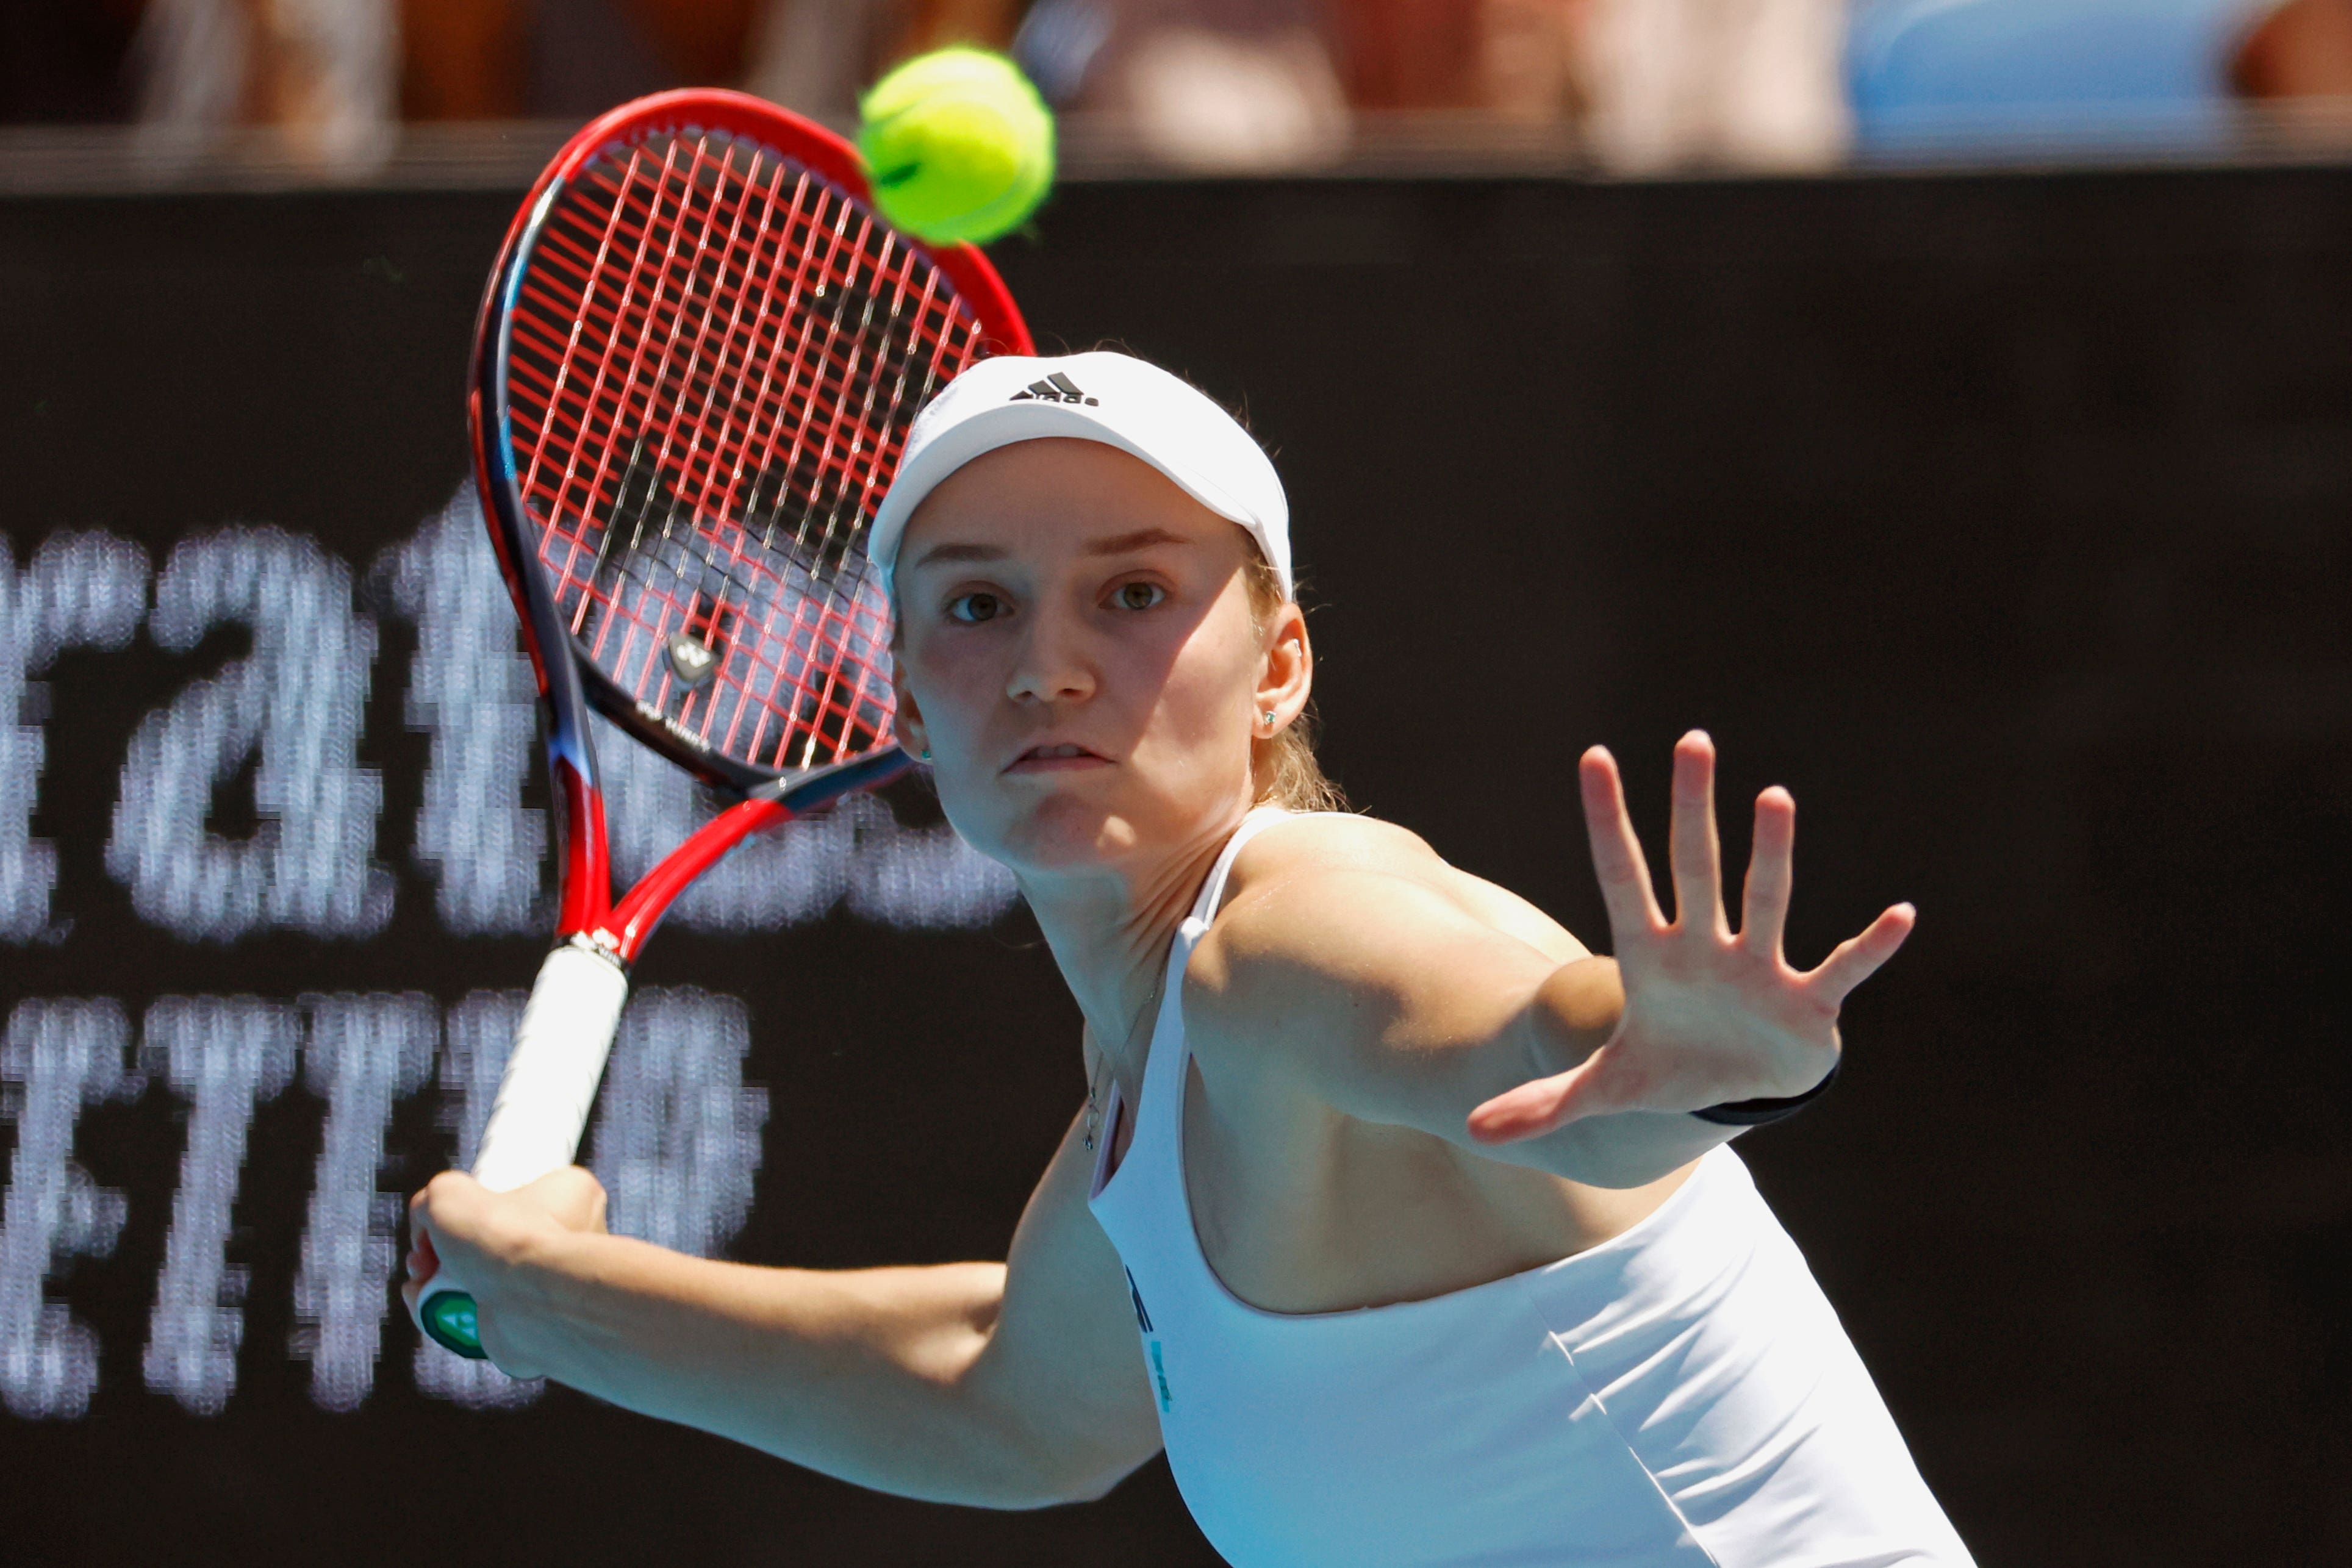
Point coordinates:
[[1159, 1378], [1056, 388], [1151, 1345]]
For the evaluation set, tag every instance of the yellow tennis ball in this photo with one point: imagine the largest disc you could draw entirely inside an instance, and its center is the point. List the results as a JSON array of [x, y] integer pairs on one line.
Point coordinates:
[[958, 145]]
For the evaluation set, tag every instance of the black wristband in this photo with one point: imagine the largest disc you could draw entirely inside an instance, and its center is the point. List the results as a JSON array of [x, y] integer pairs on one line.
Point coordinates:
[[1756, 1112]]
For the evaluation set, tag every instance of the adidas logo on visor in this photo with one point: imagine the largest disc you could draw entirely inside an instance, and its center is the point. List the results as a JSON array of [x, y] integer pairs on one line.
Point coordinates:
[[1056, 388]]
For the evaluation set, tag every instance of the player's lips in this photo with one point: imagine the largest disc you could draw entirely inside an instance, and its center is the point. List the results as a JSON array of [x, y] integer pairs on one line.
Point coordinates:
[[1057, 756]]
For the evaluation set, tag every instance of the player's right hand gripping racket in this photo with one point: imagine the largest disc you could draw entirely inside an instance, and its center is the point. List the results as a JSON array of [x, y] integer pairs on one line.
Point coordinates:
[[693, 374]]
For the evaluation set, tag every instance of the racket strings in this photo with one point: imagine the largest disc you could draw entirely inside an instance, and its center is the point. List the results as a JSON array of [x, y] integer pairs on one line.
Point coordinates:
[[714, 358]]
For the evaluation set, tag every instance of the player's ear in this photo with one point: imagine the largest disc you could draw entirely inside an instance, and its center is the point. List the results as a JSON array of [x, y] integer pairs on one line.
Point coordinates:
[[1286, 671], [908, 724]]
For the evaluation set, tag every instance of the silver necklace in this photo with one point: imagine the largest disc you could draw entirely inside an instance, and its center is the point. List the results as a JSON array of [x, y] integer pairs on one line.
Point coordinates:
[[1094, 1078]]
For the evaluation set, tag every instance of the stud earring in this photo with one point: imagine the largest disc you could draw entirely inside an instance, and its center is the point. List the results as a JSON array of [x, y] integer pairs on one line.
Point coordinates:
[[1268, 717], [925, 754]]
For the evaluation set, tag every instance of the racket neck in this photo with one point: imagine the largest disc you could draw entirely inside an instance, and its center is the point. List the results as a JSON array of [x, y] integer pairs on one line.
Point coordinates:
[[587, 902]]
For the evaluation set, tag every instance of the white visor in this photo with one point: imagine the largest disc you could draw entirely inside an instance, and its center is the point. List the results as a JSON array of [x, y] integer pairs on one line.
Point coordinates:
[[1115, 399]]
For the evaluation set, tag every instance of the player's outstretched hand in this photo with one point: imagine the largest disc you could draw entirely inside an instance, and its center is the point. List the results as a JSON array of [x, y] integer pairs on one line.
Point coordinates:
[[489, 1239], [1711, 1016]]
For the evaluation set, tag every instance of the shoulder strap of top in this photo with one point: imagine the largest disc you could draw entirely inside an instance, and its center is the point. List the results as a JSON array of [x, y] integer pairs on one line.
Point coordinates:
[[1213, 891], [1163, 1068]]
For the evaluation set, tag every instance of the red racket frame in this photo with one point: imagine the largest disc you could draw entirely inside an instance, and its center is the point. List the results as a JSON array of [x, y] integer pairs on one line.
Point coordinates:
[[623, 926]]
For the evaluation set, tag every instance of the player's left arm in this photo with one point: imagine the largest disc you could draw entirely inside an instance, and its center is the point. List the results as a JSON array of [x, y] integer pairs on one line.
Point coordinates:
[[1365, 981]]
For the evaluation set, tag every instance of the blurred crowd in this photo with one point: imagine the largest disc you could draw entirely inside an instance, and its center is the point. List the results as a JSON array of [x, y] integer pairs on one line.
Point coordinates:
[[1637, 85]]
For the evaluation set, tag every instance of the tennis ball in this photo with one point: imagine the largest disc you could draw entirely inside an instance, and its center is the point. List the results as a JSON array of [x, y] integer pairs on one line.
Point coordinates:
[[958, 145]]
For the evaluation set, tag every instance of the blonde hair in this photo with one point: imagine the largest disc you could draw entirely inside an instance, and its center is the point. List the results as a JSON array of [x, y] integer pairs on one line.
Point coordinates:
[[1287, 771]]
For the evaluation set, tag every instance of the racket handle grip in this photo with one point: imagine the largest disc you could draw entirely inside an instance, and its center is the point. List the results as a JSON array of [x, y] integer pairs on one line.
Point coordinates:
[[542, 1106], [552, 1074]]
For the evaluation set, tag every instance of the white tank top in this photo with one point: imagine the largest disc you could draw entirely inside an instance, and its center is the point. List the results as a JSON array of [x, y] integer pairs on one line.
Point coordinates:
[[1679, 1394]]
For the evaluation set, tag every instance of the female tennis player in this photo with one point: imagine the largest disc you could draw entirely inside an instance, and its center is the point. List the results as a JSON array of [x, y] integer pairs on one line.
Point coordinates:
[[1423, 1214]]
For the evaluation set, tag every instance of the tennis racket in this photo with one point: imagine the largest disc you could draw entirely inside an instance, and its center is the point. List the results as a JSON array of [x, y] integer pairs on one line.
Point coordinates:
[[693, 374]]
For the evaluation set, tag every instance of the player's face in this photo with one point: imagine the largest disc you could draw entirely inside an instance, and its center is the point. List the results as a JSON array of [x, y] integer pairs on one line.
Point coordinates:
[[1077, 650]]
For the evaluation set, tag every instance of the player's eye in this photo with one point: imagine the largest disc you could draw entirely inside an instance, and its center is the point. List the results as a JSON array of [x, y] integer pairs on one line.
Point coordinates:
[[973, 608], [1138, 595]]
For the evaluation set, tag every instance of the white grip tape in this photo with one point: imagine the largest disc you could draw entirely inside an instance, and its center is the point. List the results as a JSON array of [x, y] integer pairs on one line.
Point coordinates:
[[552, 1074]]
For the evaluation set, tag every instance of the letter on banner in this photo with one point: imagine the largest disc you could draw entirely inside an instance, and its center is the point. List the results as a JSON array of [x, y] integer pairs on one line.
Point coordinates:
[[78, 590], [896, 876], [225, 1055], [363, 1053], [55, 1058], [676, 1139], [473, 691], [300, 698], [921, 878]]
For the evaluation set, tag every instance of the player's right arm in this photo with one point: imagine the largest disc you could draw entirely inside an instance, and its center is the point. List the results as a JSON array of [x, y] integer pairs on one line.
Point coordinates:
[[1013, 1384]]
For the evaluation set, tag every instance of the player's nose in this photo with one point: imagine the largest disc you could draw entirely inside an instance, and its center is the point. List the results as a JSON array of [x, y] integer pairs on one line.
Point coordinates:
[[1052, 666]]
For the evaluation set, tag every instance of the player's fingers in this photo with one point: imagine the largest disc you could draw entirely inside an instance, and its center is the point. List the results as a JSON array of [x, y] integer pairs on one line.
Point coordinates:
[[1594, 1088], [1764, 903], [1692, 845], [419, 1266], [572, 1195], [1856, 958], [1617, 858], [1523, 1113]]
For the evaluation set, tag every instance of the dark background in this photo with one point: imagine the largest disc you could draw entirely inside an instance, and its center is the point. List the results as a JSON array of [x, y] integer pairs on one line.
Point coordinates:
[[2004, 519]]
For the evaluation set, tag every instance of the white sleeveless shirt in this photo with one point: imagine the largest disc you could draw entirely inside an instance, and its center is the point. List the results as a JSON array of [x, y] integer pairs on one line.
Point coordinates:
[[1679, 1394]]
